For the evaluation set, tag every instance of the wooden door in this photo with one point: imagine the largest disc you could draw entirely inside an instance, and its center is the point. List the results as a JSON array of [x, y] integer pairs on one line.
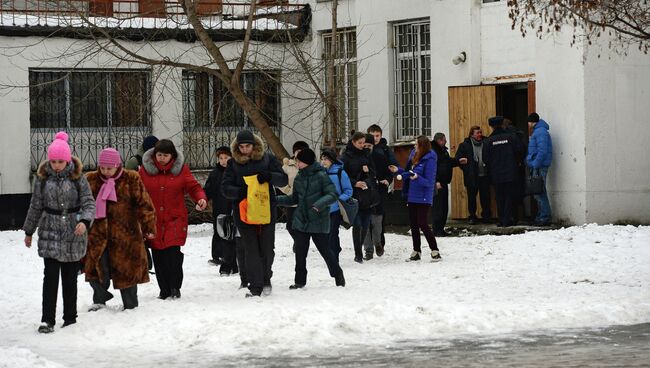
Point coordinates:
[[468, 106]]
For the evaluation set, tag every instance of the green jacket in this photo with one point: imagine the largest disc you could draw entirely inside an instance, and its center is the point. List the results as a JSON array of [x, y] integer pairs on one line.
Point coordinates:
[[133, 163], [311, 188]]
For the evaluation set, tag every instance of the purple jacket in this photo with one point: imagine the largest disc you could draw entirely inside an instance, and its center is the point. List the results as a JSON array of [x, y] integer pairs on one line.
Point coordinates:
[[421, 190]]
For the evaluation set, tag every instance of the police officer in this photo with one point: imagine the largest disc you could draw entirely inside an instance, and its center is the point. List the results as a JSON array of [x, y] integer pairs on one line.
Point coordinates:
[[500, 152]]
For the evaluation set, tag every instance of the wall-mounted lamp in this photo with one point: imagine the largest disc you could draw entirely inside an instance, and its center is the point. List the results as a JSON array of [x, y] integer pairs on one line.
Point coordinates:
[[460, 58]]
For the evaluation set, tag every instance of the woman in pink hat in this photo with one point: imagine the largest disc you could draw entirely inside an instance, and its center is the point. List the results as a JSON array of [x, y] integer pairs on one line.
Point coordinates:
[[124, 218], [62, 207]]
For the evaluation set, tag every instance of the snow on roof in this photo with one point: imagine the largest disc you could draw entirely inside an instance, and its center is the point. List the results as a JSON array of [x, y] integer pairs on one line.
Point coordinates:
[[172, 22]]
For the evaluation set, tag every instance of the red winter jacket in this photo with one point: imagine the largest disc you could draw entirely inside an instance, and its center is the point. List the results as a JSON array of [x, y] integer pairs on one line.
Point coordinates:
[[167, 186]]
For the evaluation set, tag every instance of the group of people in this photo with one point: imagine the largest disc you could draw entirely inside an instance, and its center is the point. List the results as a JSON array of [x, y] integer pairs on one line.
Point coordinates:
[[103, 222]]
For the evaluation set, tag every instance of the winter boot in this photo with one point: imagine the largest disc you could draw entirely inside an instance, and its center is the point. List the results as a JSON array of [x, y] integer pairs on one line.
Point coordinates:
[[435, 256], [95, 307], [368, 256], [415, 256], [379, 249], [45, 328], [68, 323], [175, 294], [340, 279], [251, 295], [357, 239], [296, 286]]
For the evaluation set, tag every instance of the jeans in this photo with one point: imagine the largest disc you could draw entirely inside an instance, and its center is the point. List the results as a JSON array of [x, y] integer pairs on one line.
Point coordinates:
[[373, 237], [418, 218], [543, 205], [441, 209], [359, 230]]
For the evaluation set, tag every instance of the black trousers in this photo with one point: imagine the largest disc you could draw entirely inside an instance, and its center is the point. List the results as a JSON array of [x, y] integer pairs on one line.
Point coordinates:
[[100, 287], [419, 220], [241, 260], [169, 269], [259, 249], [289, 213], [483, 190], [505, 195], [68, 272], [334, 240], [359, 231], [229, 264], [440, 209], [302, 250]]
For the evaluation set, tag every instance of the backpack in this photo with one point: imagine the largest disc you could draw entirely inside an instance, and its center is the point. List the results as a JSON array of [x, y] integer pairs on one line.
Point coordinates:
[[348, 208]]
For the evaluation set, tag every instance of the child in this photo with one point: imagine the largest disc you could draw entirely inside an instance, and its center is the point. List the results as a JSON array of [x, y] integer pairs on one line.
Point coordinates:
[[124, 216], [223, 251], [63, 208]]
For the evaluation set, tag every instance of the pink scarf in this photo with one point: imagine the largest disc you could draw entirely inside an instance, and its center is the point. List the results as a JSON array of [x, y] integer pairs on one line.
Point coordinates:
[[106, 193]]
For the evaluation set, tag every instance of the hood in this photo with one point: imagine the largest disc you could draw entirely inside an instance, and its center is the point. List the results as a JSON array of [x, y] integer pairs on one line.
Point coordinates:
[[258, 151], [73, 170], [151, 168], [541, 124], [382, 142], [334, 168]]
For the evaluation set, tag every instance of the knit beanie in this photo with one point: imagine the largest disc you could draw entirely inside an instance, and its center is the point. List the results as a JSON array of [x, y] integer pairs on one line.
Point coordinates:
[[330, 155], [370, 139], [245, 136], [59, 148], [149, 142], [307, 156], [109, 157], [299, 145]]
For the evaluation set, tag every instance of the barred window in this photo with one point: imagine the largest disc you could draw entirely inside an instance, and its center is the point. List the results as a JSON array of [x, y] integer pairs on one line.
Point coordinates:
[[345, 80], [412, 79], [98, 108], [212, 117]]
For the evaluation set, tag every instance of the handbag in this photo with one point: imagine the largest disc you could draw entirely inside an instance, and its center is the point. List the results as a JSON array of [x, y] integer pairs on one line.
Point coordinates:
[[534, 183], [226, 227], [349, 209]]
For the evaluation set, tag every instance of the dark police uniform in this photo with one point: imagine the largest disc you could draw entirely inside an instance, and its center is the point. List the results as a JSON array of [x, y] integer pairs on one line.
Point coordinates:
[[500, 153]]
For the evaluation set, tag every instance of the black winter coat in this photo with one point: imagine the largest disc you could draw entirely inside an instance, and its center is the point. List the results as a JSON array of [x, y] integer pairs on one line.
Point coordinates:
[[470, 170], [445, 164], [353, 162], [239, 166], [212, 188], [382, 157], [500, 153]]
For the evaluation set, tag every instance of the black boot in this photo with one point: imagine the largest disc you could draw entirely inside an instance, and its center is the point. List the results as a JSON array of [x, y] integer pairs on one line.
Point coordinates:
[[340, 279], [175, 294]]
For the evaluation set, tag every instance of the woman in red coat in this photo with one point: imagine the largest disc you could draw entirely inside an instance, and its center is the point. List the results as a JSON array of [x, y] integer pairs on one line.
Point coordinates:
[[167, 179]]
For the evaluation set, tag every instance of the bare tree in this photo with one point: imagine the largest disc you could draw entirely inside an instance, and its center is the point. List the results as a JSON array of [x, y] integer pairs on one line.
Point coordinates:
[[626, 22]]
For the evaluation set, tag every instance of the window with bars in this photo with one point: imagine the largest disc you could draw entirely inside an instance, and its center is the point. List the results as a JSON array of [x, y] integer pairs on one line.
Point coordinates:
[[212, 118], [345, 81], [412, 79], [98, 108]]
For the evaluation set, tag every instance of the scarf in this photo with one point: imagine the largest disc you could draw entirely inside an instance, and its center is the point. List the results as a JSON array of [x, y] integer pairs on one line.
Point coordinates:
[[106, 193], [478, 156]]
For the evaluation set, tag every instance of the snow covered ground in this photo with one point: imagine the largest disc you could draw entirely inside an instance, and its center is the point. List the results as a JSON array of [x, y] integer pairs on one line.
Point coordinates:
[[583, 276]]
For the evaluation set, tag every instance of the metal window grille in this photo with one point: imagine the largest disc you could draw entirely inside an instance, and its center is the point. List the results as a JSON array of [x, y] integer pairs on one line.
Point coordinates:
[[97, 108], [412, 79], [345, 82], [212, 117]]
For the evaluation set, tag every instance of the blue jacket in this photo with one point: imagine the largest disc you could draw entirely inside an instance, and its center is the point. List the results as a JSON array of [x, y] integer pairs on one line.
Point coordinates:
[[540, 147], [421, 190], [343, 187]]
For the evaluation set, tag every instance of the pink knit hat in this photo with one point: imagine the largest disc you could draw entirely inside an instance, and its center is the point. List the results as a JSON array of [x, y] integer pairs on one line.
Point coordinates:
[[109, 157], [59, 148]]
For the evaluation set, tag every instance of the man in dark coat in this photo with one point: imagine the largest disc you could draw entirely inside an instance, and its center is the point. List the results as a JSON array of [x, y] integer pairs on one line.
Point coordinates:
[[223, 251], [520, 178], [475, 175], [444, 172], [382, 157], [249, 158], [500, 153]]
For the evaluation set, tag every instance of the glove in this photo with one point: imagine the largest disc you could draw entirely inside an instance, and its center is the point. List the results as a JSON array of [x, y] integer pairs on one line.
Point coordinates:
[[243, 192], [264, 177]]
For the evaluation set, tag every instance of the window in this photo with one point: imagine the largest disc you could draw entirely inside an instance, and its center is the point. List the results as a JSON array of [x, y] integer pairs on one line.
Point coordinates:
[[98, 108], [412, 79], [212, 117], [345, 81]]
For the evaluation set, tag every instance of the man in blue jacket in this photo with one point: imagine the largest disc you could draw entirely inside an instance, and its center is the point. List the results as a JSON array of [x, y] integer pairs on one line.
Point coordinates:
[[540, 154]]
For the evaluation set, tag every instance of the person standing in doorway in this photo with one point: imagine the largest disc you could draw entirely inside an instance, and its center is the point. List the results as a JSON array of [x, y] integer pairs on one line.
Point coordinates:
[[419, 183], [444, 172], [382, 157], [475, 174], [167, 179], [250, 159], [540, 156], [223, 250], [124, 217], [520, 178], [500, 152], [313, 193], [63, 208]]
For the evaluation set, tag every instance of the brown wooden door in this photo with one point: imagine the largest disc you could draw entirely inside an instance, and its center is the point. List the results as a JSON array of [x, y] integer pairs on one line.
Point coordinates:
[[468, 106]]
